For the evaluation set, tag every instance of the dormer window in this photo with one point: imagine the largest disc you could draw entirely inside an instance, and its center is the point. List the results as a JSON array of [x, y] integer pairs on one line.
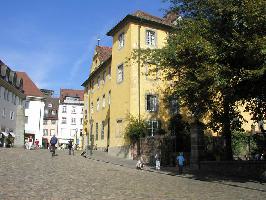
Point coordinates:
[[121, 39]]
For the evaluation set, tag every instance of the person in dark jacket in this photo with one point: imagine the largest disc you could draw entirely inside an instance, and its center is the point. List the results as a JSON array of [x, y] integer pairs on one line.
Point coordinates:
[[70, 146]]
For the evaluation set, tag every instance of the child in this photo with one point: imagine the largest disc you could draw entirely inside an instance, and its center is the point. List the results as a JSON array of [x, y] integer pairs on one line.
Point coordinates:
[[180, 161]]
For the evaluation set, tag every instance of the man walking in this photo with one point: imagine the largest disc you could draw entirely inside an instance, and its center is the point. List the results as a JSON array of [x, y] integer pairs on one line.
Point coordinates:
[[53, 142], [70, 146]]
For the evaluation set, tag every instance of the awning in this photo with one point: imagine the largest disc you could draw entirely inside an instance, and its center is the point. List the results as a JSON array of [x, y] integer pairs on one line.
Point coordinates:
[[12, 134], [5, 134]]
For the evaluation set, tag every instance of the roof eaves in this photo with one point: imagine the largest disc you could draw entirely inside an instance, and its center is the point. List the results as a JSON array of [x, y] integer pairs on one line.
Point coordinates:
[[95, 71], [137, 19]]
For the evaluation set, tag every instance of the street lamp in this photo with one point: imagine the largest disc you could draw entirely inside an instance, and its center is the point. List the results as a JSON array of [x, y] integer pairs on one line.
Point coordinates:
[[76, 136], [91, 136]]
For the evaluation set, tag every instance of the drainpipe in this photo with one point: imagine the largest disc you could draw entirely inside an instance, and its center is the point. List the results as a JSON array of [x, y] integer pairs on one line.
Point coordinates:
[[139, 66]]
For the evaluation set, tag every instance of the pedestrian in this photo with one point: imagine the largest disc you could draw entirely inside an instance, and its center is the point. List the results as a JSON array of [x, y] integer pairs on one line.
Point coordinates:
[[70, 146], [180, 161], [53, 142], [36, 144], [140, 164], [30, 142], [157, 162]]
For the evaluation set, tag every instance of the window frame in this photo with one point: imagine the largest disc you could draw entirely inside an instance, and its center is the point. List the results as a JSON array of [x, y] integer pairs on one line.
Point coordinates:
[[149, 104], [118, 74], [121, 40], [149, 43]]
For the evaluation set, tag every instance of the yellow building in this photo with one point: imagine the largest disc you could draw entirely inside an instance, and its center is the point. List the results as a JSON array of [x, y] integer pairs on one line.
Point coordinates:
[[120, 85]]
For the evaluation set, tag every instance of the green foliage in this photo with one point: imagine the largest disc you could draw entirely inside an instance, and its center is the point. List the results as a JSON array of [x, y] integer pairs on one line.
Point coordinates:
[[240, 143], [218, 52], [135, 129]]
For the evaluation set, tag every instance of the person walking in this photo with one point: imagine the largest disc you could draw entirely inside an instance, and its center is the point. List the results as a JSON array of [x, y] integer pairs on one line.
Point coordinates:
[[70, 146], [30, 142], [53, 142], [157, 162], [180, 161]]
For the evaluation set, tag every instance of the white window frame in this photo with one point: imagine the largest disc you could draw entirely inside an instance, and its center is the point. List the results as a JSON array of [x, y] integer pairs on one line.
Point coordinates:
[[151, 103], [98, 104], [64, 109], [64, 120], [120, 73], [150, 39], [121, 40], [73, 121], [103, 103], [151, 128]]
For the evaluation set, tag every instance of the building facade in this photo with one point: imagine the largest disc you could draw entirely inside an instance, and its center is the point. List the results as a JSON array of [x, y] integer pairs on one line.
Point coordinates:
[[70, 116], [50, 118], [120, 85], [11, 106], [34, 108]]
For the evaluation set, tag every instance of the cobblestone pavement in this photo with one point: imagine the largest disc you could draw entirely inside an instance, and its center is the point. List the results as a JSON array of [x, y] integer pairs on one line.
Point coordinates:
[[35, 174]]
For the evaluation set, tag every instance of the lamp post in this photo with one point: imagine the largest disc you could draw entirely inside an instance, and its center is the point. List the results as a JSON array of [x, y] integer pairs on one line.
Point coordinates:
[[76, 136], [91, 136]]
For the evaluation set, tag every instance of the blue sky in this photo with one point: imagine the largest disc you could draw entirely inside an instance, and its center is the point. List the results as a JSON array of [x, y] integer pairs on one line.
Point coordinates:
[[53, 40]]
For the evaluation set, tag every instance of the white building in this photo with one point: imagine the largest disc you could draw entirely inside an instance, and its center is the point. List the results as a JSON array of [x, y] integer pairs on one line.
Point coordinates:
[[34, 108], [70, 116], [11, 107]]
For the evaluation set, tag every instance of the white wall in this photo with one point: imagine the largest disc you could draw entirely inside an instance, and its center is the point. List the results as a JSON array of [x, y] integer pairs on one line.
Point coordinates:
[[68, 130], [35, 112]]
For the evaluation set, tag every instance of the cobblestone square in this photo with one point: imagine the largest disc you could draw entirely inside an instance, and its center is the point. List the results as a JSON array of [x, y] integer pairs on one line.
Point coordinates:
[[34, 174]]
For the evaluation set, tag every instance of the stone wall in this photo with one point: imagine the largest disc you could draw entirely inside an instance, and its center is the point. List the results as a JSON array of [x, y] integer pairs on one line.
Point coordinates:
[[249, 169], [164, 146]]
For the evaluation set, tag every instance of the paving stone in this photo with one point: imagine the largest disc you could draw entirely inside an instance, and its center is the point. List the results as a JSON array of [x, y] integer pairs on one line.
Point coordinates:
[[35, 174]]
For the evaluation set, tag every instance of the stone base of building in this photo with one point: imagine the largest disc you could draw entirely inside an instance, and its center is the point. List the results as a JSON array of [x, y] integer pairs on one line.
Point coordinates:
[[121, 151]]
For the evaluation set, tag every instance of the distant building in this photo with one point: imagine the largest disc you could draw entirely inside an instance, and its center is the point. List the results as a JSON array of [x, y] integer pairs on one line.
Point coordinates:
[[34, 108], [11, 106], [70, 116], [50, 119]]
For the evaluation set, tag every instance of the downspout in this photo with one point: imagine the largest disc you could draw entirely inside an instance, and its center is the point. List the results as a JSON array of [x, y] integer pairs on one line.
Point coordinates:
[[139, 67]]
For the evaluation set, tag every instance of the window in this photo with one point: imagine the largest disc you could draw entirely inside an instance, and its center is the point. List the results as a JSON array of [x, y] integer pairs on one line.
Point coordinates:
[[104, 76], [174, 106], [12, 115], [109, 97], [151, 103], [98, 104], [45, 132], [64, 120], [98, 81], [120, 73], [73, 111], [27, 104], [119, 128], [26, 119], [121, 40], [104, 101], [150, 38], [102, 131], [44, 122], [73, 121], [81, 121], [96, 136], [52, 132], [64, 110], [153, 126], [53, 121]]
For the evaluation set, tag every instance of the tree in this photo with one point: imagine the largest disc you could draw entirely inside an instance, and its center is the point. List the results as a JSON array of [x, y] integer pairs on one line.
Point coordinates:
[[212, 56]]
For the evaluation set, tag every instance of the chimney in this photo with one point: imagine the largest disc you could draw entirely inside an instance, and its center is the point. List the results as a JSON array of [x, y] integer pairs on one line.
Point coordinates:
[[98, 41], [171, 17]]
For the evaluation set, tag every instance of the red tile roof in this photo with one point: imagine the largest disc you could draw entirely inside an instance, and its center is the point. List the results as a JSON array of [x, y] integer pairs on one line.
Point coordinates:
[[103, 53], [29, 87], [71, 93]]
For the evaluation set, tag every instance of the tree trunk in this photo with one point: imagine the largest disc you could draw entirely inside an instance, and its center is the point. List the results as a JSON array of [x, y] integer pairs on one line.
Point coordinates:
[[227, 130]]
